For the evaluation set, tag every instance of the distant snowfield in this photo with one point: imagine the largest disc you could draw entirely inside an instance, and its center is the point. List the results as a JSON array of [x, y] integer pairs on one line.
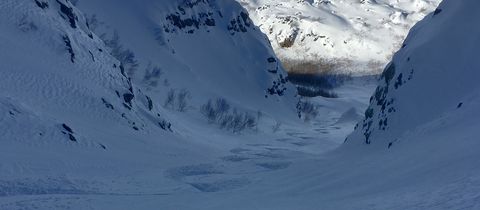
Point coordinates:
[[351, 37], [77, 133]]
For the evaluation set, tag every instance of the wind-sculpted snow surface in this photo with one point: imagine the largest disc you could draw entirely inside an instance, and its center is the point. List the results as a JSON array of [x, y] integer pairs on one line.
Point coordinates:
[[352, 37]]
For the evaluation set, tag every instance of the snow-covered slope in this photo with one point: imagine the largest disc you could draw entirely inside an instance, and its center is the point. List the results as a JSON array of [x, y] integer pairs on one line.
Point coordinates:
[[418, 145], [208, 48], [419, 138], [67, 109], [432, 78], [76, 133], [70, 110], [344, 36]]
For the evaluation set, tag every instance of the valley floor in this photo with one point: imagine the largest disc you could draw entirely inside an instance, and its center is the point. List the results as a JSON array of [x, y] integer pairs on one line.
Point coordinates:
[[293, 168], [242, 167]]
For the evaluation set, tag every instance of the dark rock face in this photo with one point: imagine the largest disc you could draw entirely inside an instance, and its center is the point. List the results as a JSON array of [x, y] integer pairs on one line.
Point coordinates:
[[150, 103], [204, 19], [278, 86], [71, 137], [67, 128], [240, 24], [68, 44], [107, 104], [69, 14], [382, 103], [194, 15], [190, 16], [128, 97], [41, 4], [69, 132]]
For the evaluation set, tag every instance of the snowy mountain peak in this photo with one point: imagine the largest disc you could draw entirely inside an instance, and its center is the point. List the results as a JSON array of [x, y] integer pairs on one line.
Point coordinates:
[[353, 37]]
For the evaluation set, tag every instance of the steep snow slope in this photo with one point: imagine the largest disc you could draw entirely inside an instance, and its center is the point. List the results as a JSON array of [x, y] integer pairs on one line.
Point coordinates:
[[68, 111], [431, 78], [209, 48], [419, 138], [356, 37], [72, 120]]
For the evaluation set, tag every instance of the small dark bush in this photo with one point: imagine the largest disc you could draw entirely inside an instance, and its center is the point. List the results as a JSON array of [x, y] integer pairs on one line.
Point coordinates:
[[218, 112], [169, 102], [307, 110], [324, 81], [215, 110], [306, 91], [313, 85], [93, 23], [152, 75], [182, 100], [125, 56], [177, 101]]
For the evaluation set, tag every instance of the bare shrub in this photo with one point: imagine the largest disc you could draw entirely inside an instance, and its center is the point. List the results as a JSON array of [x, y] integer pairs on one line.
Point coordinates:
[[222, 106], [237, 121], [318, 85], [306, 91], [177, 101], [324, 81], [316, 65], [170, 100], [218, 112], [152, 75], [93, 24], [249, 121], [209, 111], [182, 100], [125, 56], [215, 111], [307, 110], [224, 121]]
